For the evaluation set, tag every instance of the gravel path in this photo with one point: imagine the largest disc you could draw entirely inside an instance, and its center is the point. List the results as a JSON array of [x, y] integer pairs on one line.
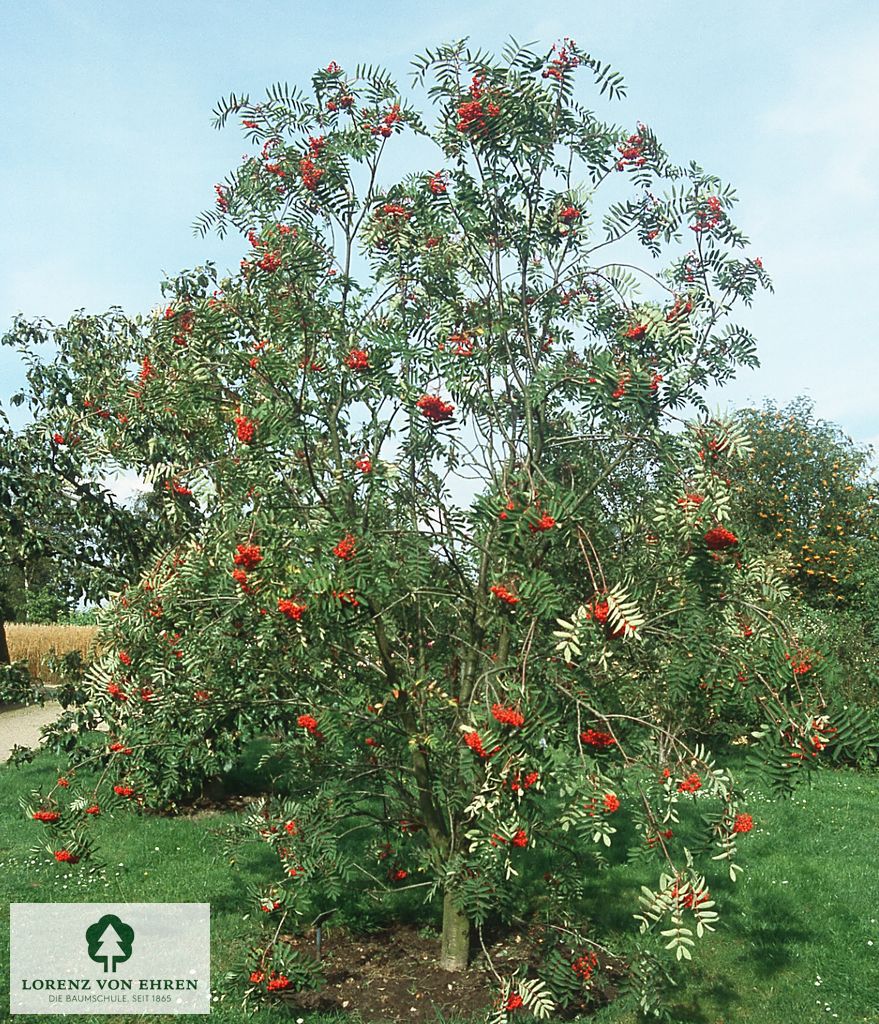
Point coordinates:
[[21, 727]]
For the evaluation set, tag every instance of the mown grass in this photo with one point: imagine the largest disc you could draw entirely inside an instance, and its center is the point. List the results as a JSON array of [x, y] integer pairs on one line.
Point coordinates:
[[33, 643], [149, 860], [799, 940]]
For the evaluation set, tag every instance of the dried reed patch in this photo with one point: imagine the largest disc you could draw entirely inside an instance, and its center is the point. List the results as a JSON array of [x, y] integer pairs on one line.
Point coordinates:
[[31, 643]]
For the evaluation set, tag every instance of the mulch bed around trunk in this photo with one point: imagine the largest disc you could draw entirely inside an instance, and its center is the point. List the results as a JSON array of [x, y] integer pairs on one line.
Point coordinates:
[[392, 975]]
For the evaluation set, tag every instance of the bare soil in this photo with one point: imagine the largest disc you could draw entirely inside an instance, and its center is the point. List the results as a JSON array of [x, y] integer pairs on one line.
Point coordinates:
[[392, 976]]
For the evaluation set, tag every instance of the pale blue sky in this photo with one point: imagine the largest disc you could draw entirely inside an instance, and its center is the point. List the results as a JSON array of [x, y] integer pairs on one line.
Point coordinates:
[[108, 154]]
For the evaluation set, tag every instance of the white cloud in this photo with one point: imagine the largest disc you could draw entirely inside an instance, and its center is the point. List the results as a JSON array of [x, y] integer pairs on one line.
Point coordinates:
[[126, 486]]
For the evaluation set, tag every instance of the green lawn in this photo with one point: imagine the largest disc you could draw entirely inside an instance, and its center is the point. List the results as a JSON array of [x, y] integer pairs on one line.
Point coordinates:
[[799, 940], [161, 859]]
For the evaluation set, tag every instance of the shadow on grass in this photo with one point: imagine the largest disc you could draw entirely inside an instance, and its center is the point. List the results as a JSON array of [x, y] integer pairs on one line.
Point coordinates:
[[773, 937], [701, 1008]]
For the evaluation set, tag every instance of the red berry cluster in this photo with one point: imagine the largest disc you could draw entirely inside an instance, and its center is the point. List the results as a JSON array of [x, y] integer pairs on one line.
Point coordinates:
[[248, 556], [653, 840], [462, 344], [800, 663], [437, 183], [622, 385], [680, 308], [545, 522], [147, 370], [116, 692], [743, 823], [502, 594], [611, 802], [244, 429], [66, 857], [599, 611], [291, 609], [395, 211], [47, 817], [632, 151], [357, 359], [824, 733], [310, 173], [472, 115], [520, 838], [474, 742], [689, 897], [690, 784], [435, 409], [346, 548], [566, 59], [569, 214], [184, 326], [309, 723], [270, 262], [121, 790], [584, 965], [240, 577], [386, 127], [525, 782], [597, 738], [344, 100], [719, 539], [508, 716], [709, 216]]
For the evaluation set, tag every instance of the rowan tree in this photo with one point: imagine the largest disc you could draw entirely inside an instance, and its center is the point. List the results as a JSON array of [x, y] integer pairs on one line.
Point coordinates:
[[446, 543]]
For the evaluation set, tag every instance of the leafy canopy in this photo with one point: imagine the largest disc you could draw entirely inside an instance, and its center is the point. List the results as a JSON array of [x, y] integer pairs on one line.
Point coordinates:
[[442, 535]]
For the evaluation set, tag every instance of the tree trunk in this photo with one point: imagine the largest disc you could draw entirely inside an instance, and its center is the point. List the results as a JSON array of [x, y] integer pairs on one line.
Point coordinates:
[[455, 951], [4, 648]]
